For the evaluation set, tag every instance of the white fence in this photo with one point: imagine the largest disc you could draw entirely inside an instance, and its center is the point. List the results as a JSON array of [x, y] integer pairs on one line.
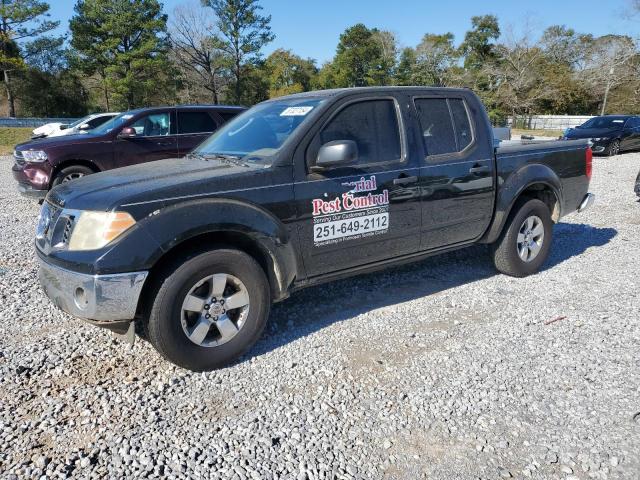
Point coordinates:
[[548, 122]]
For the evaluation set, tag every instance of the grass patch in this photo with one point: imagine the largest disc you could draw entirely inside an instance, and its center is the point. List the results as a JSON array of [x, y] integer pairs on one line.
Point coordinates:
[[10, 137], [536, 133]]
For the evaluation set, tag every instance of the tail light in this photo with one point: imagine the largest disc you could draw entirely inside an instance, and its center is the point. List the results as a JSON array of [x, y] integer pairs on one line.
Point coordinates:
[[588, 162]]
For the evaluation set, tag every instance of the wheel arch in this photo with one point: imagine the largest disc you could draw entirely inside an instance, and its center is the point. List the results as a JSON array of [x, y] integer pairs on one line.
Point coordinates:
[[181, 233], [535, 181], [70, 163]]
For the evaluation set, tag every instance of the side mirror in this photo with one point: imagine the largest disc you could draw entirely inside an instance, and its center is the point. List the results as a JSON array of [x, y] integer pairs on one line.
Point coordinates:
[[84, 126], [127, 132], [336, 154]]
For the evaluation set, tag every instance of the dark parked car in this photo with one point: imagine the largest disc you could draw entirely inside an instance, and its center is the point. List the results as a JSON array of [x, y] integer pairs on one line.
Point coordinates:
[[133, 137], [637, 187], [610, 134], [298, 191]]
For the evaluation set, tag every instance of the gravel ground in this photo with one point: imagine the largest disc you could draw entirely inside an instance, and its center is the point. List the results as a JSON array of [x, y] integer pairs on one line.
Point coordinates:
[[439, 370]]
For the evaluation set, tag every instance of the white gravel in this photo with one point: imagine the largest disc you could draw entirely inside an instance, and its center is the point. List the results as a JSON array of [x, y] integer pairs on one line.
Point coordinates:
[[440, 370]]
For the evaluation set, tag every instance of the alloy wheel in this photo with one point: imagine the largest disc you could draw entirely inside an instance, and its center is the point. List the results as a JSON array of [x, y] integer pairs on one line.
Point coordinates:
[[615, 148], [530, 238], [72, 176], [214, 310]]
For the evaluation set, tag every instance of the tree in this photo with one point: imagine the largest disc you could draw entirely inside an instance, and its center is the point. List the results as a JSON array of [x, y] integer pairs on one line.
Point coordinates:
[[46, 54], [124, 44], [361, 59], [517, 74], [388, 56], [435, 56], [288, 73], [564, 45], [406, 66], [60, 94], [478, 47], [60, 91], [610, 64], [244, 31], [198, 49], [478, 50], [19, 20]]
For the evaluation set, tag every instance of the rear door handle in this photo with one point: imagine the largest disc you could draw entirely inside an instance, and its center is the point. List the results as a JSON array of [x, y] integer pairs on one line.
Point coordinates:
[[480, 169], [405, 180]]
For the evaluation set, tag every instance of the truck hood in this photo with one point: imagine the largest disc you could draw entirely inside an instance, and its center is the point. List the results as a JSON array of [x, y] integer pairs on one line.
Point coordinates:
[[59, 141], [592, 132], [153, 185]]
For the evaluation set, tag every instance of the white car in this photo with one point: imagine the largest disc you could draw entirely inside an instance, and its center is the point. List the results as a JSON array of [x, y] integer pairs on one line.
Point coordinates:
[[85, 124]]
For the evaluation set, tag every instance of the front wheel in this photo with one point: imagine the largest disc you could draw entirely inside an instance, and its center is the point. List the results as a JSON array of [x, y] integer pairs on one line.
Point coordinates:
[[613, 149], [71, 173], [209, 310], [525, 242]]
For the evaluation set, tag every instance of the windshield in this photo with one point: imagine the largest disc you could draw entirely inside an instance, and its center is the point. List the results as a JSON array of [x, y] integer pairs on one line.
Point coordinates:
[[112, 124], [260, 131], [604, 122]]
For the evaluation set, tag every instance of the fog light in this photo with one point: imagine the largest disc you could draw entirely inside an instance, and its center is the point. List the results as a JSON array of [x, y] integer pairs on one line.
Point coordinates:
[[80, 298]]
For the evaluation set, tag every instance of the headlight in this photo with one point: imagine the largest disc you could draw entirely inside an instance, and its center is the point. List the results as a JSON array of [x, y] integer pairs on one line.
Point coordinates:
[[599, 139], [34, 156], [93, 230]]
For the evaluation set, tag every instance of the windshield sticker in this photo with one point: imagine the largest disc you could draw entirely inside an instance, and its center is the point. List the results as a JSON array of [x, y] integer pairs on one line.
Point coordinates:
[[351, 216], [296, 111], [618, 121], [127, 116]]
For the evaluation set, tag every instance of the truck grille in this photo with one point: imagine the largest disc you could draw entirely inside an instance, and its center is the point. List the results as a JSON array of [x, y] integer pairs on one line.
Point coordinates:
[[54, 228]]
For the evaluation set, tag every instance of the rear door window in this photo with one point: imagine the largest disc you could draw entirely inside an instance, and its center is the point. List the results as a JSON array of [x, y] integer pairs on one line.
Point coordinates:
[[373, 125], [445, 125], [461, 123], [226, 116], [195, 122]]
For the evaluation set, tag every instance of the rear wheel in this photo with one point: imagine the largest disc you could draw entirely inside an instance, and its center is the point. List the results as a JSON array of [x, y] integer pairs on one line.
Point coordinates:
[[209, 310], [613, 149], [525, 242], [73, 172]]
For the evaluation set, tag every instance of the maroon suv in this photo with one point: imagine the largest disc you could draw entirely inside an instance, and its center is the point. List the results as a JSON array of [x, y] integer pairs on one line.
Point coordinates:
[[133, 137]]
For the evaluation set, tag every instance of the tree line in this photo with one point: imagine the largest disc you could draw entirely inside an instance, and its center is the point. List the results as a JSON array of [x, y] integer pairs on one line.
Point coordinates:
[[123, 54]]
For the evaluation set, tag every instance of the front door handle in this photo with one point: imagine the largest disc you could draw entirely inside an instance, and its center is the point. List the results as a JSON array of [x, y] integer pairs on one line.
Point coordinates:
[[405, 180], [480, 169]]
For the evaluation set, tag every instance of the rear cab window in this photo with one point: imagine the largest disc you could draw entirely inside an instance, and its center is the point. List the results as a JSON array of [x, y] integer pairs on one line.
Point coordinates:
[[195, 122], [445, 126]]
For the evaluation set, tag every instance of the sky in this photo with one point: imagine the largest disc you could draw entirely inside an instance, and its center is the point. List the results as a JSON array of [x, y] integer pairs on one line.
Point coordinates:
[[311, 29]]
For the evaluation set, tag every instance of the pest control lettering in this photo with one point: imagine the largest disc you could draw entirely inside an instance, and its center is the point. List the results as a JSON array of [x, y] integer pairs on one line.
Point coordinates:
[[359, 213]]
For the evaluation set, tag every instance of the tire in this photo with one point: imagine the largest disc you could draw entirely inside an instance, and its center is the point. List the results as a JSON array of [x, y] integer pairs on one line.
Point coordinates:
[[613, 149], [71, 173], [509, 249], [170, 324]]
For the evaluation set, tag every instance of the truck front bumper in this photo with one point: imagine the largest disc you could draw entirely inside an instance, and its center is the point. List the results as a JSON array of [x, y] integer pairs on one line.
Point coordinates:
[[107, 301]]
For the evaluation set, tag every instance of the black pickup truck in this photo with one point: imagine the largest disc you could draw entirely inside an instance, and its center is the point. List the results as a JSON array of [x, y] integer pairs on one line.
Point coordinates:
[[297, 191]]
